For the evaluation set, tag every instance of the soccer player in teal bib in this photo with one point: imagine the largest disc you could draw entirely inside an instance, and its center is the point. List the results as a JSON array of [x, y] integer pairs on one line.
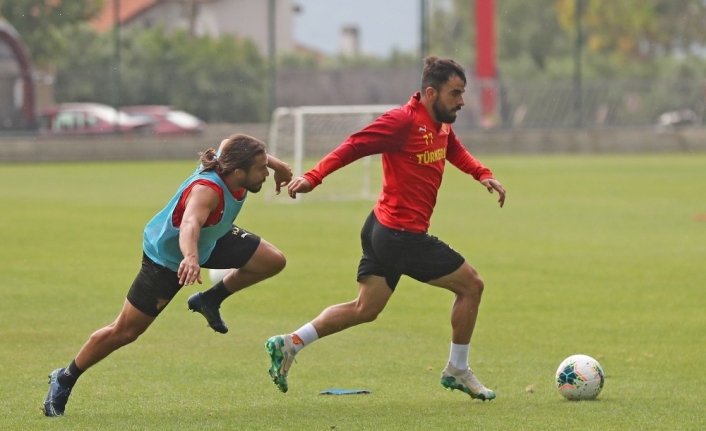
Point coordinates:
[[415, 141], [194, 230]]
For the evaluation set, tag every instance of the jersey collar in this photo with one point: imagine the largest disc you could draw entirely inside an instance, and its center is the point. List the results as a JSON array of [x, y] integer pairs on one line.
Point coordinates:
[[238, 194], [416, 102]]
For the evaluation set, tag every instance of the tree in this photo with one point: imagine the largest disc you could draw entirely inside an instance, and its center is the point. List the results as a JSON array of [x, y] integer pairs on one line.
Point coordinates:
[[452, 30], [220, 79], [216, 79], [530, 29], [537, 39], [637, 30], [83, 72], [41, 23], [524, 29]]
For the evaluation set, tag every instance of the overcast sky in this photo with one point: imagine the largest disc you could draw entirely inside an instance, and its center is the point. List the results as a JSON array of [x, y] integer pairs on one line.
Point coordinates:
[[383, 24]]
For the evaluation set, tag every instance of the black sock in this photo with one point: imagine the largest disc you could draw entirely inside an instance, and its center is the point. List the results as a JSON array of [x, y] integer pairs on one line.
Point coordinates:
[[217, 294], [70, 375]]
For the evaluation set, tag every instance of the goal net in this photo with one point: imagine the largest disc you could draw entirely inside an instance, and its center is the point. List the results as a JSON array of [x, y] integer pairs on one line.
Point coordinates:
[[301, 136]]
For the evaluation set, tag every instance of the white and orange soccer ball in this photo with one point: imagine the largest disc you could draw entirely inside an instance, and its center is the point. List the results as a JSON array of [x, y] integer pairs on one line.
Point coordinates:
[[580, 377]]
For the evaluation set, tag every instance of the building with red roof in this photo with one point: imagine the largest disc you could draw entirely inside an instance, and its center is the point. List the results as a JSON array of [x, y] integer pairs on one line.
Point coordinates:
[[240, 18]]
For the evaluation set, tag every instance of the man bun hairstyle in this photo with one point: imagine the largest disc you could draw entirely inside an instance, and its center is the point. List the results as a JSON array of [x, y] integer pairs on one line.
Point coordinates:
[[437, 71], [238, 153]]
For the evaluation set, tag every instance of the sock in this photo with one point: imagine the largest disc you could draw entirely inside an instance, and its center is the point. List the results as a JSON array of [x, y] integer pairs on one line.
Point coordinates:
[[304, 336], [217, 294], [70, 375], [459, 355]]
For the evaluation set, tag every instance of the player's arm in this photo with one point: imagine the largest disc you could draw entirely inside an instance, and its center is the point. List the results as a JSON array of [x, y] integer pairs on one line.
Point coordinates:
[[199, 204], [387, 133], [459, 156], [283, 173]]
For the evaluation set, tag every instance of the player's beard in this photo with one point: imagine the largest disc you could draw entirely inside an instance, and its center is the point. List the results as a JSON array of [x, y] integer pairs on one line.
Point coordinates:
[[442, 114], [253, 187]]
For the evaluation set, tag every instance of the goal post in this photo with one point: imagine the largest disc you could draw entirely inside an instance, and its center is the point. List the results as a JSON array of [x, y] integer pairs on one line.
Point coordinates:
[[303, 135]]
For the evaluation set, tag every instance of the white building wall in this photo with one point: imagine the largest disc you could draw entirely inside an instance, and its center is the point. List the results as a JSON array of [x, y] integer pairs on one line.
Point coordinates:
[[240, 18], [248, 18]]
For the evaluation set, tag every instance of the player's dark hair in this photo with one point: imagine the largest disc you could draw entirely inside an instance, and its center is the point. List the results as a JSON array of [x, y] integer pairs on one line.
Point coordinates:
[[437, 71], [238, 153]]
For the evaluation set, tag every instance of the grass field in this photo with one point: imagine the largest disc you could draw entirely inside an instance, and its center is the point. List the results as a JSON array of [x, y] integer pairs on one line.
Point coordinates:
[[601, 255]]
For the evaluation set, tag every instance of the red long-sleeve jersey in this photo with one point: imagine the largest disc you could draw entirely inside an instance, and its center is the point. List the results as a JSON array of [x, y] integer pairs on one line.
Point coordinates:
[[414, 152]]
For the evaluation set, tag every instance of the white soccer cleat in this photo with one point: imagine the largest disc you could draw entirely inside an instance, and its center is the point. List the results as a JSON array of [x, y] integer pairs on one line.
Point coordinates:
[[464, 380]]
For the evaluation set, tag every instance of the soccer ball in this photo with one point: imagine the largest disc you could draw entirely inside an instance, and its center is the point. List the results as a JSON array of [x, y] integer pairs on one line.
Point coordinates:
[[217, 275], [579, 377]]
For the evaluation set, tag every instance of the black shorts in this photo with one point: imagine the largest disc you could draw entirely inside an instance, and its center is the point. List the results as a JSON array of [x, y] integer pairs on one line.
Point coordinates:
[[392, 253], [156, 285]]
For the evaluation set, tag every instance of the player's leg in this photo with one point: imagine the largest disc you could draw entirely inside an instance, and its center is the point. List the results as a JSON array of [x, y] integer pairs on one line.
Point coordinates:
[[149, 294], [253, 259], [430, 260], [373, 295], [376, 283], [130, 324], [468, 289], [266, 262]]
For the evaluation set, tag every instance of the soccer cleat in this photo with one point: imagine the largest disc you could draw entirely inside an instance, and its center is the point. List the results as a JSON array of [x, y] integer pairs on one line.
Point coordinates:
[[281, 351], [211, 313], [57, 397], [464, 380]]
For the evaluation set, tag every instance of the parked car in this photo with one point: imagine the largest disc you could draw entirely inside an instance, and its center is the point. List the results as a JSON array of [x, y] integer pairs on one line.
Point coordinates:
[[88, 119], [681, 117], [167, 121]]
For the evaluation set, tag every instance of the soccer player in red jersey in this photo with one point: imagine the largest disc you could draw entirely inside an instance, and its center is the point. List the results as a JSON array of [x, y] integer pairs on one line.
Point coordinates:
[[415, 141]]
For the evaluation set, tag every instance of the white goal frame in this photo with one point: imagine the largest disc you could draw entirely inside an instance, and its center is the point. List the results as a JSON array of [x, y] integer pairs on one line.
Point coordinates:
[[299, 115]]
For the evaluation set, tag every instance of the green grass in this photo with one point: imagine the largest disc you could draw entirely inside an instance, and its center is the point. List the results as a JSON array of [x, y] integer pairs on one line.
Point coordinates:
[[601, 255]]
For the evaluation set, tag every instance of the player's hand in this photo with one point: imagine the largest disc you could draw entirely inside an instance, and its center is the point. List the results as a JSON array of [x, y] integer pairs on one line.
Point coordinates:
[[299, 185], [282, 176], [493, 184], [189, 271]]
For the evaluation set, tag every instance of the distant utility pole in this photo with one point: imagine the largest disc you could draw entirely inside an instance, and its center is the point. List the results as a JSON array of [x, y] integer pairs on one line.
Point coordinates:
[[116, 64], [577, 64], [191, 13], [272, 54], [423, 31]]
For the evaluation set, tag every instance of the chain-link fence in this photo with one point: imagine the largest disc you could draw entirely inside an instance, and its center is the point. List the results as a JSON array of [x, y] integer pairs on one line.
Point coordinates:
[[604, 103], [559, 103]]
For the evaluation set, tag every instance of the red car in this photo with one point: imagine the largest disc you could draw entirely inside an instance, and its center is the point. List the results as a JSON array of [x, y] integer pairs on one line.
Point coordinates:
[[167, 121], [88, 119]]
